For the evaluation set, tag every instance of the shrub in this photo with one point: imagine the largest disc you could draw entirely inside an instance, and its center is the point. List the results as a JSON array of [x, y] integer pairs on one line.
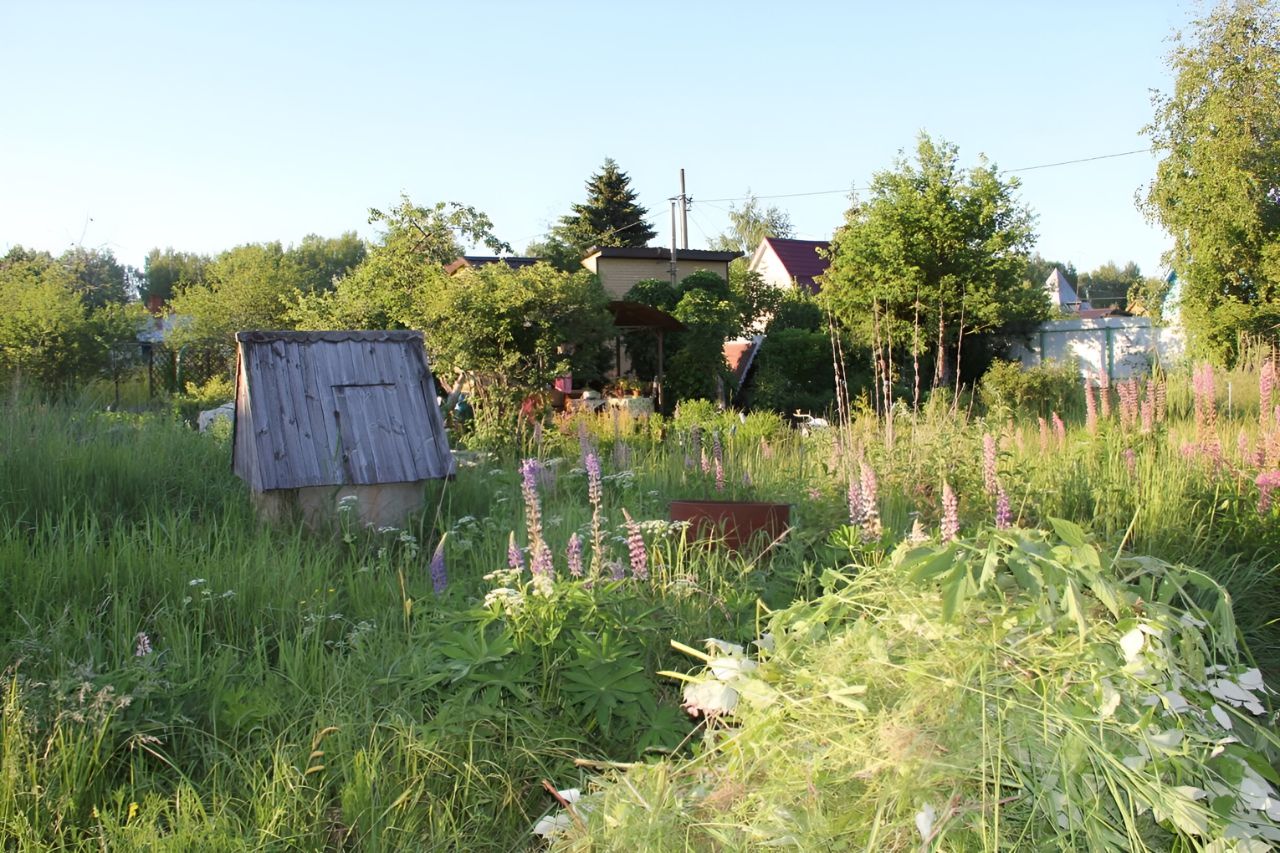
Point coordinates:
[[1035, 390]]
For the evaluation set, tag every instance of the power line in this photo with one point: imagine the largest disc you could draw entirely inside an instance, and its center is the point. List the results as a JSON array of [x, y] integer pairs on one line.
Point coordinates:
[[1002, 171]]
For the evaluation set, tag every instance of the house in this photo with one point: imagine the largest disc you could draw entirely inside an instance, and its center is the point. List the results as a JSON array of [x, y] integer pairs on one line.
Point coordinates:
[[466, 261], [784, 263], [1062, 296], [323, 418], [621, 267]]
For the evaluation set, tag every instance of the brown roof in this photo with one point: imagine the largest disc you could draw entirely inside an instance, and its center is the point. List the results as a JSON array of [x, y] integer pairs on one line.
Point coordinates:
[[484, 260], [659, 253], [800, 259], [637, 315]]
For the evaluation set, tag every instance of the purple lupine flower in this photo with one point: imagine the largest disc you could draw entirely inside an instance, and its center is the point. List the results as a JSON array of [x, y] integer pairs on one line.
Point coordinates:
[[719, 475], [1090, 408], [1059, 429], [1004, 515], [529, 469], [573, 554], [1131, 461], [635, 549], [950, 513], [1267, 482], [542, 565], [617, 571], [695, 442], [717, 454], [142, 645], [439, 577], [515, 556], [595, 492], [989, 463]]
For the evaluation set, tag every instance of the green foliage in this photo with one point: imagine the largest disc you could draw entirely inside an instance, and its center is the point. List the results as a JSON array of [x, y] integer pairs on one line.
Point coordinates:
[[166, 272], [932, 255], [1218, 133], [100, 279], [1014, 689], [1008, 386], [795, 373], [797, 310], [609, 217], [750, 224], [1109, 285], [1040, 268]]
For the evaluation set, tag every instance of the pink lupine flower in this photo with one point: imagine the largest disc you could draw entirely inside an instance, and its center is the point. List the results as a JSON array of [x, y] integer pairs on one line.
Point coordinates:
[[950, 513], [515, 556], [635, 549], [1266, 388], [595, 493], [1104, 394], [1148, 411], [857, 509], [1243, 449], [870, 488], [719, 475], [1267, 482], [1090, 409], [1202, 387], [529, 469], [1044, 435], [1059, 429], [989, 463]]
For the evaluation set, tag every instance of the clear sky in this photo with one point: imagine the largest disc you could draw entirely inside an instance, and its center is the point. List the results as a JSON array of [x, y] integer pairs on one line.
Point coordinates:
[[205, 125]]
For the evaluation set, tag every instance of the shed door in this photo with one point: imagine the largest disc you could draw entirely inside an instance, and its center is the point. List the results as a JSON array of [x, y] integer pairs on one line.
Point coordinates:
[[375, 446]]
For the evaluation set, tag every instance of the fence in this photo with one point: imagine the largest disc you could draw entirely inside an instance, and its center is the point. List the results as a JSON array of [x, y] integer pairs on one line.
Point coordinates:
[[1120, 346]]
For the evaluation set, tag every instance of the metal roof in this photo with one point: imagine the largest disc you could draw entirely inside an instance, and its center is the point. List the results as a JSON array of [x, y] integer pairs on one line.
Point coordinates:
[[660, 253], [336, 408], [800, 259]]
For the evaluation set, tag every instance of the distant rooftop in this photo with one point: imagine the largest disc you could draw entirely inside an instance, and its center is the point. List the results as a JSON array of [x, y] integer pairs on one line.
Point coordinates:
[[484, 260], [659, 253], [801, 260]]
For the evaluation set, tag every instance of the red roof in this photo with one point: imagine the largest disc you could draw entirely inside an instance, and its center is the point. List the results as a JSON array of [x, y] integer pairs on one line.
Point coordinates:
[[800, 259]]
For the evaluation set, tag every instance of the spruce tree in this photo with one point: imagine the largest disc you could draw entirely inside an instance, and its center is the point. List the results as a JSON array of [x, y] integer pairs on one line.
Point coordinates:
[[609, 217]]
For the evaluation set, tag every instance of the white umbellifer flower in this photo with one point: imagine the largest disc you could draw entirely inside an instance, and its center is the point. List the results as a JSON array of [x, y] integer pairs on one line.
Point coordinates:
[[924, 821], [729, 668], [732, 649], [711, 698], [1131, 644]]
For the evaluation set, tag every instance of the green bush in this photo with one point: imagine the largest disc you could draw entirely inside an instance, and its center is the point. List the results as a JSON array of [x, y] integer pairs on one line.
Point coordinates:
[[1035, 390]]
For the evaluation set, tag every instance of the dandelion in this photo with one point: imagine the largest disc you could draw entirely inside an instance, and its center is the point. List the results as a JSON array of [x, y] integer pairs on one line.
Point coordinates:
[[989, 463], [635, 548], [439, 577], [950, 513], [142, 645], [1004, 515], [573, 554]]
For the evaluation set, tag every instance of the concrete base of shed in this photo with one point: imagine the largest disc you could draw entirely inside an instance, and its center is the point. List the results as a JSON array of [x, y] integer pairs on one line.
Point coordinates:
[[383, 505]]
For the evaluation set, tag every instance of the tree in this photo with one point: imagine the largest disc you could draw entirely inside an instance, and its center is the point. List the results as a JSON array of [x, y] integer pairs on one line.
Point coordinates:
[[750, 224], [1040, 268], [99, 278], [933, 255], [320, 261], [1217, 186], [248, 287], [609, 217], [1109, 285], [164, 273], [389, 287]]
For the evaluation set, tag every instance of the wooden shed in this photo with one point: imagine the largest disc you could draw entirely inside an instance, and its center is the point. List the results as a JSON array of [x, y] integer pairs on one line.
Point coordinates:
[[324, 417]]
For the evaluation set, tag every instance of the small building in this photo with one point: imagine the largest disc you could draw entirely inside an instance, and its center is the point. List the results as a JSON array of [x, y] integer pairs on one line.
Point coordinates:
[[785, 263], [621, 267], [323, 418], [1062, 296]]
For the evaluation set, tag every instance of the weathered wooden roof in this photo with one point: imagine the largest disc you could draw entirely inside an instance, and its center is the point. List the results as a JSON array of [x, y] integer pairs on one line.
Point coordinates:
[[335, 408]]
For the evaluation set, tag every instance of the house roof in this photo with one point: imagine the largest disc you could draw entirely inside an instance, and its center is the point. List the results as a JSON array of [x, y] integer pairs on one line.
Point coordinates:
[[336, 408], [1061, 293], [799, 258], [484, 260], [659, 253], [740, 355], [637, 315]]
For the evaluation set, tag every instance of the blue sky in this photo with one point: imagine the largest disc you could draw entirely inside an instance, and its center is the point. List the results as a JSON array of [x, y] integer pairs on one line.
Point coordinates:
[[205, 125]]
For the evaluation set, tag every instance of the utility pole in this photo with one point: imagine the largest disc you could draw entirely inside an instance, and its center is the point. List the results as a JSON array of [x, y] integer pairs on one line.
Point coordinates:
[[684, 208], [673, 242]]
